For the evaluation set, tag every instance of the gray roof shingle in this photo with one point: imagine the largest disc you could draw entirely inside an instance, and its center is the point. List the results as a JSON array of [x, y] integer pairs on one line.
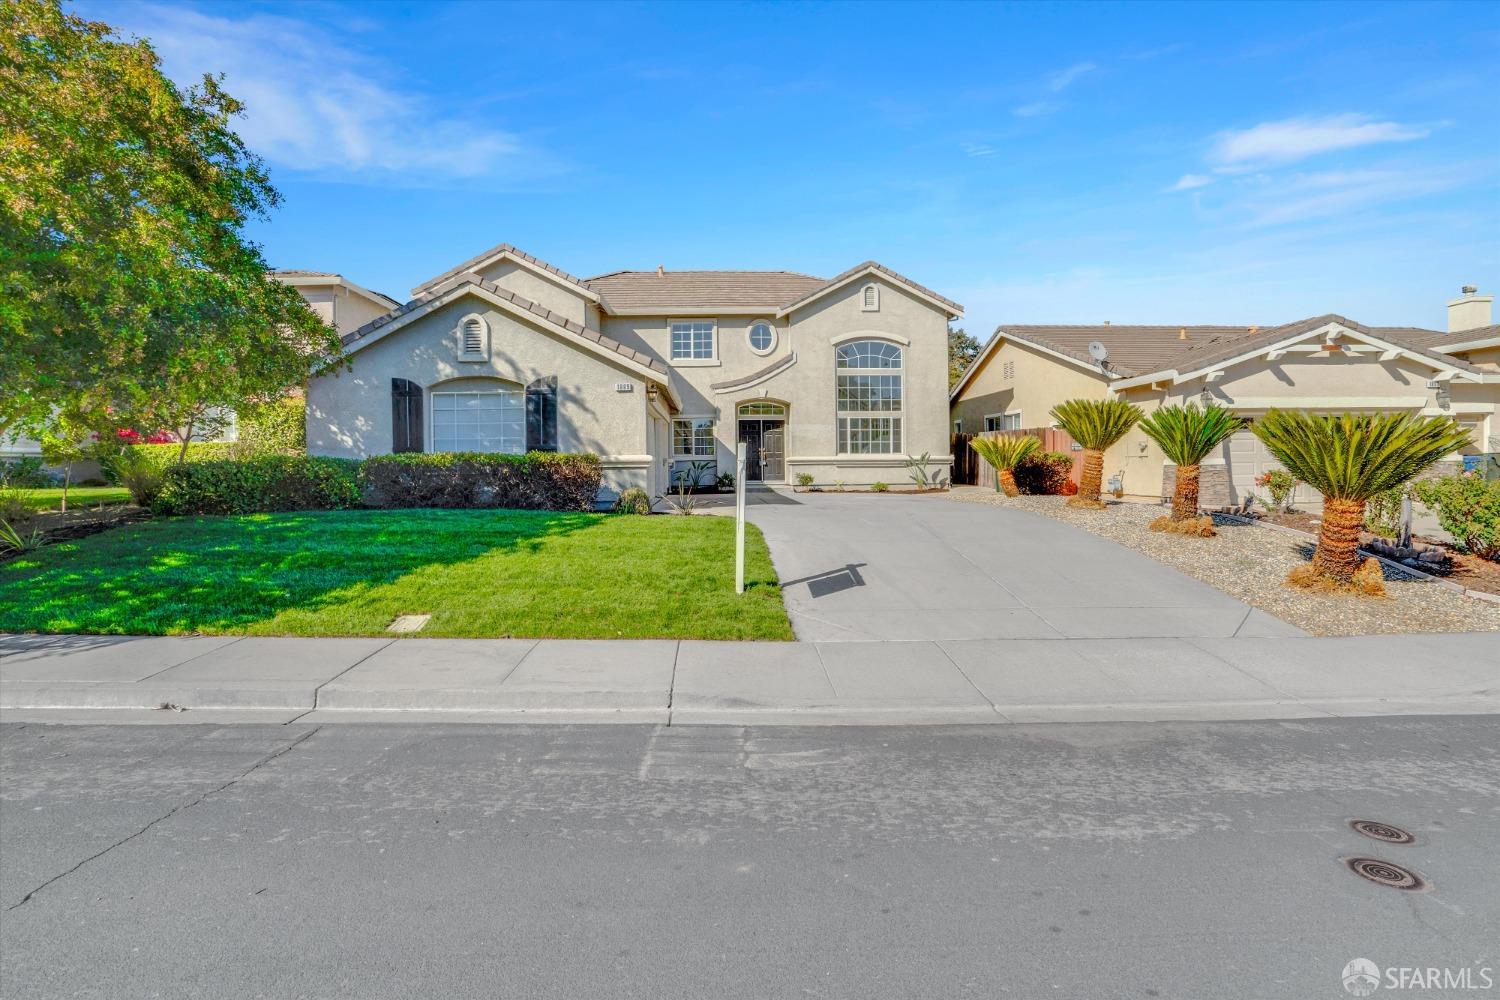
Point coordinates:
[[687, 292]]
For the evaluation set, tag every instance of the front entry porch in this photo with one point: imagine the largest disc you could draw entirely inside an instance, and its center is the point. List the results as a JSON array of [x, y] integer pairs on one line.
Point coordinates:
[[762, 429]]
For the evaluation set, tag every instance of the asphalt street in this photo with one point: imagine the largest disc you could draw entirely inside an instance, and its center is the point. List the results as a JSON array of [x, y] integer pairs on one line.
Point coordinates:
[[1174, 860]]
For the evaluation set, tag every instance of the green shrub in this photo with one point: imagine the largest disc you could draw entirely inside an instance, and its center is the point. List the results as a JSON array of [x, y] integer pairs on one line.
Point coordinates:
[[275, 428], [163, 456], [879, 487], [137, 472], [633, 501], [1044, 472], [26, 472], [1468, 508], [1383, 512], [258, 485], [13, 506], [804, 479], [537, 480]]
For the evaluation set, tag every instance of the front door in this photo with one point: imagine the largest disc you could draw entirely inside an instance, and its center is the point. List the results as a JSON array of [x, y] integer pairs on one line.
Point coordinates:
[[765, 455]]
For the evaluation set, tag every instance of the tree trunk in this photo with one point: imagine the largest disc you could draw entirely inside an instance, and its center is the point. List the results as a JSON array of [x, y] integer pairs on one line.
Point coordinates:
[[1007, 481], [67, 480], [1338, 539], [187, 436], [1185, 494], [1091, 480]]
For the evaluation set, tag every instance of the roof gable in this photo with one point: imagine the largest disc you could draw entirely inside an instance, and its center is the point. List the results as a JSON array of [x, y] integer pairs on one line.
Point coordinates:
[[873, 268], [685, 293], [507, 301], [504, 251]]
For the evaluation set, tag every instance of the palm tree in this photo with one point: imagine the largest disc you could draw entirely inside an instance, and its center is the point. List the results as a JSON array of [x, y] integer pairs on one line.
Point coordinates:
[[1349, 459], [1187, 435], [1095, 424], [1005, 453]]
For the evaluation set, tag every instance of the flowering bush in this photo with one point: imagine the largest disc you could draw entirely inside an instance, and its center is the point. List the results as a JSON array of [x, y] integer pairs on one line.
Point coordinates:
[[1280, 484]]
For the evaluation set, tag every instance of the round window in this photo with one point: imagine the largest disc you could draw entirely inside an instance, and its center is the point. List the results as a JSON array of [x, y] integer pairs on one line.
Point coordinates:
[[762, 336]]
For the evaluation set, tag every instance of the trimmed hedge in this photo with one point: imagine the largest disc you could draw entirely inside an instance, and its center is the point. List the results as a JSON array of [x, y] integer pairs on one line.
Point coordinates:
[[275, 428], [258, 485], [537, 480], [163, 456]]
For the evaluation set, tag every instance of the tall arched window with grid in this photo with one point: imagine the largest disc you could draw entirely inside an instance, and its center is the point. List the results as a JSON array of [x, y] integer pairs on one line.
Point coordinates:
[[870, 400]]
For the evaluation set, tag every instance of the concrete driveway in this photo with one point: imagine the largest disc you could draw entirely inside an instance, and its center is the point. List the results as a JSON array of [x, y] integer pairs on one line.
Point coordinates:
[[863, 566]]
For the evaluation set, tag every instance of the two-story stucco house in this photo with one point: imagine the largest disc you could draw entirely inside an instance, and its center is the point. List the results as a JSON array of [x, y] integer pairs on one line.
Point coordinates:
[[840, 378]]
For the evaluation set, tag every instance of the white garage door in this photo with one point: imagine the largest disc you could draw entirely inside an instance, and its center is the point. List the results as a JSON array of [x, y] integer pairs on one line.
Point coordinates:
[[1248, 458]]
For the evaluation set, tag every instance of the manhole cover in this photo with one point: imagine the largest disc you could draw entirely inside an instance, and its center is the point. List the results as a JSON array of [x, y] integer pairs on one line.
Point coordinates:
[[1381, 831], [1385, 873]]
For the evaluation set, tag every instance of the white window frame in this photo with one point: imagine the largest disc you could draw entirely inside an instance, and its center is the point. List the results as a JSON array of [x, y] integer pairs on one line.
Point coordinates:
[[867, 302], [694, 455], [1004, 418], [897, 416], [483, 353], [775, 337], [958, 426], [432, 421], [693, 362]]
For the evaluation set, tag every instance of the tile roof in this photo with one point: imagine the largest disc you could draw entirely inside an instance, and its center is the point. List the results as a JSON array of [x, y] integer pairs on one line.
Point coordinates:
[[495, 251], [441, 294], [1143, 350], [871, 266], [699, 291]]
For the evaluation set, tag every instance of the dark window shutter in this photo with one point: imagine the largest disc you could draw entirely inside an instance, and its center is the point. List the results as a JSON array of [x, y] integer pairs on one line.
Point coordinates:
[[406, 415], [541, 414]]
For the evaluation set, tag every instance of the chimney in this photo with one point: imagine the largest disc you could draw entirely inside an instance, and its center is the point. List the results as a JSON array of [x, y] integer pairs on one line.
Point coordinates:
[[661, 272], [1182, 333], [1106, 322], [1469, 311]]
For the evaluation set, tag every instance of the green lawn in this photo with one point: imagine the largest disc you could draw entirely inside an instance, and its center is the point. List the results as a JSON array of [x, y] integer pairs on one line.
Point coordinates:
[[477, 572], [50, 498]]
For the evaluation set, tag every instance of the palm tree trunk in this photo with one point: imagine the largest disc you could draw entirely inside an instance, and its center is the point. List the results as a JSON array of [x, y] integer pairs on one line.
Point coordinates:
[[1007, 480], [1185, 494], [1338, 538], [1091, 480]]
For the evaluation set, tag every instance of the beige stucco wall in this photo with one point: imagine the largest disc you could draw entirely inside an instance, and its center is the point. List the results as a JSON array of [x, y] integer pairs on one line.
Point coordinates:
[[1319, 383], [807, 387], [1040, 383], [349, 413], [340, 308], [526, 283]]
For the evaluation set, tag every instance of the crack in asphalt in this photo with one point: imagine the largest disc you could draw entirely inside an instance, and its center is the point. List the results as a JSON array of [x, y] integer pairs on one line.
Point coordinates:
[[163, 817]]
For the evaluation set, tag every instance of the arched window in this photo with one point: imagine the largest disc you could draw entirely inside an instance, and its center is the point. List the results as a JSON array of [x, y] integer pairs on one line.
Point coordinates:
[[473, 338], [869, 397], [869, 298]]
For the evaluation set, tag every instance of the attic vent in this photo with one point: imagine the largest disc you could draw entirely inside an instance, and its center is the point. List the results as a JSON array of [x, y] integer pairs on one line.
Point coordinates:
[[1008, 370], [473, 338]]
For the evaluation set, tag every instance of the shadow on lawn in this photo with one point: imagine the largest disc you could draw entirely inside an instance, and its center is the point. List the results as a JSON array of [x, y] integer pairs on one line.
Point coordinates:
[[176, 575]]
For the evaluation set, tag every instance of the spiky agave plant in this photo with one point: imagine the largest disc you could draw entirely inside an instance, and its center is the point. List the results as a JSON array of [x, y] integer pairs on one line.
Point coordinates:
[[1095, 424], [1186, 435], [1005, 453], [1349, 459]]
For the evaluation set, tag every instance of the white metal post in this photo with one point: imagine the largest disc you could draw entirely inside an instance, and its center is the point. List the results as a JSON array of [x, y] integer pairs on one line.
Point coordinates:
[[739, 518]]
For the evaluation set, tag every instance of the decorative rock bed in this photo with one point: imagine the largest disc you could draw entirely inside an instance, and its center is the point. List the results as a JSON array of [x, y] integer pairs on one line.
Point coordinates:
[[1251, 563]]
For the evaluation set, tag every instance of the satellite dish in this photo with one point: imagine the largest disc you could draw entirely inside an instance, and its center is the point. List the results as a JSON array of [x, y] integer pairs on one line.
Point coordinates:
[[1098, 351]]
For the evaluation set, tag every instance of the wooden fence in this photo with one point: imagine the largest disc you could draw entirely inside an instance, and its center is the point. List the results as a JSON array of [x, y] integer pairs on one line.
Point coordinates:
[[971, 470]]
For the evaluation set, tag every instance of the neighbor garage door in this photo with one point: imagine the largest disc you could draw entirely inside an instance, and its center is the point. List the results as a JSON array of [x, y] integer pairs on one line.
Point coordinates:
[[1248, 458]]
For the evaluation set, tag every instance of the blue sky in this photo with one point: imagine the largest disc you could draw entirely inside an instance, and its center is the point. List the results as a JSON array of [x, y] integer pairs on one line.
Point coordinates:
[[1175, 163]]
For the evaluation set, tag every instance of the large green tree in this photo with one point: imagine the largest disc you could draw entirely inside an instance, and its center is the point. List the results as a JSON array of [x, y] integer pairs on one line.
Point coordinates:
[[962, 350], [127, 286]]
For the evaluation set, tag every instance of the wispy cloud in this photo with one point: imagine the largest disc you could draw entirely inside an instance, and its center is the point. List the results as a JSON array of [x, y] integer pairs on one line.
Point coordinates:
[[1063, 79], [1325, 194], [315, 104], [1189, 181], [1293, 139], [1036, 109], [979, 150]]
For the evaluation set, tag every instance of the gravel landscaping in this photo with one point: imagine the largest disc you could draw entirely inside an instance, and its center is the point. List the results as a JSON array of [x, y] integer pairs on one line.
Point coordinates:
[[1251, 563]]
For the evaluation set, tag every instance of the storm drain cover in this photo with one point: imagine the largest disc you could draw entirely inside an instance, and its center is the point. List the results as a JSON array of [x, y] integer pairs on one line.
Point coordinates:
[[1385, 873], [1381, 831]]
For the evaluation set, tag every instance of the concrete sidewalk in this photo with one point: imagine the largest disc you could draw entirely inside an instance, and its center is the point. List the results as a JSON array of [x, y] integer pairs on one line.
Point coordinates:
[[115, 679]]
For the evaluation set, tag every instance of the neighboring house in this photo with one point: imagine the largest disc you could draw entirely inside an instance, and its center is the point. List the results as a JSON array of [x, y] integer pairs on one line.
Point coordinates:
[[838, 378], [1327, 363]]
